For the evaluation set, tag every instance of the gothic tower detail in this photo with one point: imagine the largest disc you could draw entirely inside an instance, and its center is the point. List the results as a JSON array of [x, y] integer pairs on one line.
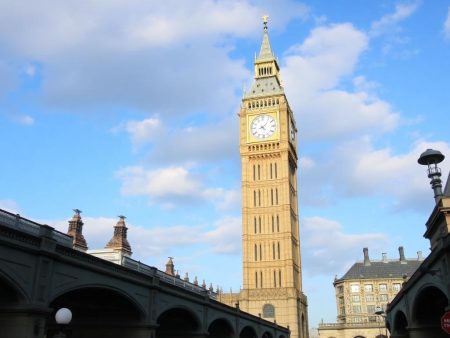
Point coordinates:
[[272, 274], [76, 231]]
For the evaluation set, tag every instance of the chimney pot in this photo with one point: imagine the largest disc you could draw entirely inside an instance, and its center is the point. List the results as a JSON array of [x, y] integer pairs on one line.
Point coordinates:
[[402, 255], [419, 256], [366, 256]]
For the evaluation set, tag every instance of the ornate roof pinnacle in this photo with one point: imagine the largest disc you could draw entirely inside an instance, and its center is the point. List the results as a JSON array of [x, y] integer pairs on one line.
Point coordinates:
[[265, 20]]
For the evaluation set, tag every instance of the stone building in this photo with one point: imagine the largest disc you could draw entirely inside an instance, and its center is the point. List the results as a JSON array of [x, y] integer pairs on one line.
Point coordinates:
[[364, 290], [418, 308], [272, 274]]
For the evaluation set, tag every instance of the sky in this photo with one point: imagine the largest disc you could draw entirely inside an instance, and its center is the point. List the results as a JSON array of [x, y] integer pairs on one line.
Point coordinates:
[[130, 108]]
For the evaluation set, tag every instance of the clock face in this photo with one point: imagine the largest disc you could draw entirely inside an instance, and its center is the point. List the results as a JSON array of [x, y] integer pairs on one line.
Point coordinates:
[[263, 126], [292, 131]]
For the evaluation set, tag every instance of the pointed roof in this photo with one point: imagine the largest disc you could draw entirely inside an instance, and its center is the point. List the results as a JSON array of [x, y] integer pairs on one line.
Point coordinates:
[[447, 187], [119, 240], [265, 53]]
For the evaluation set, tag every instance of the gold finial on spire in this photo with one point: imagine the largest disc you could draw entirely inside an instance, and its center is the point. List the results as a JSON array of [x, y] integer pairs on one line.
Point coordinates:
[[265, 20]]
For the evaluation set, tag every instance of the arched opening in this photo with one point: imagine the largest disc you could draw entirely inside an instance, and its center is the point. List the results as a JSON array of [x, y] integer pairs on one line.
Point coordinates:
[[15, 320], [400, 324], [248, 332], [267, 335], [8, 294], [97, 312], [303, 326], [428, 308], [268, 311], [220, 328], [177, 322]]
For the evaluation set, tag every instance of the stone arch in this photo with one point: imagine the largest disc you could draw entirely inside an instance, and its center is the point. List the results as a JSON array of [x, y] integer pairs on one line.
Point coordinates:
[[7, 281], [177, 322], [96, 311], [248, 332], [267, 334], [400, 324], [10, 291], [220, 328], [429, 306]]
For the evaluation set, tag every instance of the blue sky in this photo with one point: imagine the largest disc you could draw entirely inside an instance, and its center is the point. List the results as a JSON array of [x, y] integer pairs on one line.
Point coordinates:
[[118, 107]]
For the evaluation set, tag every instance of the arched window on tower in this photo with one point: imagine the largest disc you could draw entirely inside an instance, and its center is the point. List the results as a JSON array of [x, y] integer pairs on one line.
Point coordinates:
[[268, 311]]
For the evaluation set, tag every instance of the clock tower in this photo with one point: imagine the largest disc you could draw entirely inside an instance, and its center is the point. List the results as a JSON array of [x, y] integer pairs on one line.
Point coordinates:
[[272, 274]]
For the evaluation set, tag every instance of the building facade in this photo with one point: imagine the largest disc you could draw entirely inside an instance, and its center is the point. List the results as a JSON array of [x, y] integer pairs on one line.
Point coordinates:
[[418, 308], [272, 275], [364, 290]]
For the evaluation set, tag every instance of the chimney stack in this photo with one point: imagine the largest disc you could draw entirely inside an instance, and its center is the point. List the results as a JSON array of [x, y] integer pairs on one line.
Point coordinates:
[[384, 255], [366, 257], [402, 255], [419, 256]]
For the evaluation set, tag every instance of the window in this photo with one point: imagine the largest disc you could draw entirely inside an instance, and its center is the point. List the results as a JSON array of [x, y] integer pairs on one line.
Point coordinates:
[[341, 301], [268, 311], [279, 277], [273, 250], [273, 224], [278, 250], [261, 275], [254, 222], [342, 310], [383, 287], [340, 289], [355, 298], [396, 287], [356, 308], [256, 252], [368, 287], [354, 288], [369, 298], [383, 298], [371, 309], [278, 223], [260, 253], [259, 224]]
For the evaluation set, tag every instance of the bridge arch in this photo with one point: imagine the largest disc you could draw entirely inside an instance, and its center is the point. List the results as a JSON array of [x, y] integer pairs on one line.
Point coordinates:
[[221, 328], [429, 306], [248, 332], [400, 325], [177, 322], [97, 311], [267, 334], [10, 286]]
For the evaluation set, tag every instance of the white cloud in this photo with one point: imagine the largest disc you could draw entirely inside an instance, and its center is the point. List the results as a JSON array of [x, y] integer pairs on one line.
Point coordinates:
[[144, 131], [388, 23], [172, 181], [447, 25], [172, 185], [221, 237], [356, 168], [322, 256], [314, 73], [111, 54], [25, 120], [9, 205]]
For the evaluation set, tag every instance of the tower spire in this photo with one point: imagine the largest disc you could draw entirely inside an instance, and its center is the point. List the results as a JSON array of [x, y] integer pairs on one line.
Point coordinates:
[[265, 53]]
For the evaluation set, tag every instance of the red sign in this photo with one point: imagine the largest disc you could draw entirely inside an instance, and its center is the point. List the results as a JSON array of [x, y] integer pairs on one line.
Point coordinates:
[[445, 322]]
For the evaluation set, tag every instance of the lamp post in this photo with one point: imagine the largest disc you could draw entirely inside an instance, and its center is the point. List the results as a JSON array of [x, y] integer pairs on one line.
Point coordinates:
[[62, 317], [380, 312]]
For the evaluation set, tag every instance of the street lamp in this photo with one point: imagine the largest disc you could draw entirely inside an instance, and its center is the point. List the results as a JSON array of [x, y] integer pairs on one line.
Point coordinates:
[[380, 312], [62, 317]]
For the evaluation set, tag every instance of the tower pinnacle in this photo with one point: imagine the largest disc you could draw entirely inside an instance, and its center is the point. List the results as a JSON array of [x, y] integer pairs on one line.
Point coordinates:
[[119, 241], [76, 231]]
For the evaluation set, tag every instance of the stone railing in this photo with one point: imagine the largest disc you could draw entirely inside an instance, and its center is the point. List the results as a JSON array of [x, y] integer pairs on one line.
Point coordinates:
[[151, 271], [17, 222], [350, 325]]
